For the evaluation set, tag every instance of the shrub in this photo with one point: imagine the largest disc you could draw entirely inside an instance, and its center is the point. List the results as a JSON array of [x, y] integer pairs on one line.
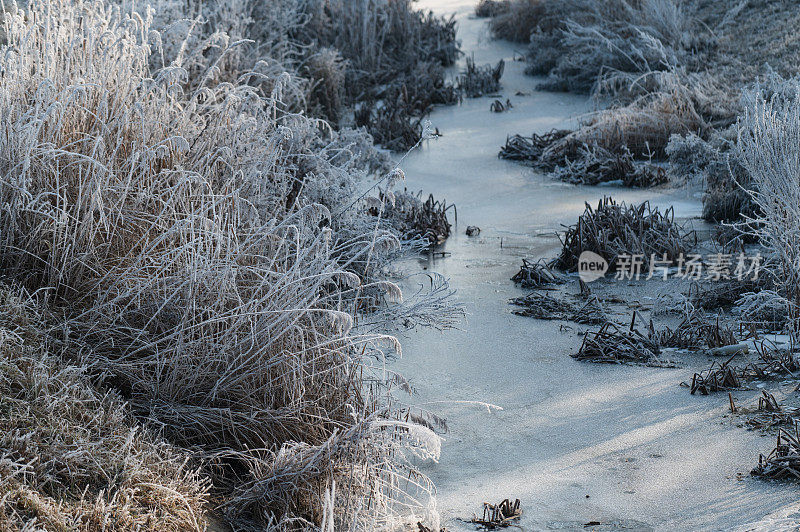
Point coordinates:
[[768, 146]]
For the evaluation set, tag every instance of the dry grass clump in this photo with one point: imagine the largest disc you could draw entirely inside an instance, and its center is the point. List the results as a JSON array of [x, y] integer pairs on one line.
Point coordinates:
[[500, 515], [612, 229], [477, 81], [413, 218], [72, 457], [597, 165], [617, 144], [173, 226], [613, 344], [718, 377], [644, 127], [536, 274], [531, 149], [770, 413], [545, 307], [695, 331], [783, 462]]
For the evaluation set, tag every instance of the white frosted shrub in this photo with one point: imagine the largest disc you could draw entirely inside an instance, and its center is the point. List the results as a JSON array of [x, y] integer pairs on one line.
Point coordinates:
[[769, 146]]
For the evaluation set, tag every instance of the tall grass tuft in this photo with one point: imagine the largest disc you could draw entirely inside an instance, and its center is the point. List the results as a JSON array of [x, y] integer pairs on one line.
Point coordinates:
[[171, 217], [71, 456], [768, 144]]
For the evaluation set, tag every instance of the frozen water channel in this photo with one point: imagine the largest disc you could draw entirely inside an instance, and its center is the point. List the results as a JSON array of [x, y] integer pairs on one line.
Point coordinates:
[[622, 446]]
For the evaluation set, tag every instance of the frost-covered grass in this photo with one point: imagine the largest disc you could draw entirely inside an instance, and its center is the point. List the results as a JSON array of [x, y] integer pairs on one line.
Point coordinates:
[[647, 62], [199, 246], [768, 143], [71, 456], [596, 46], [372, 56]]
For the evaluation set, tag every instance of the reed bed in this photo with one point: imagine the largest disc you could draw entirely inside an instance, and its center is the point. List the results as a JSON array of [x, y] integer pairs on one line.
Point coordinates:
[[199, 250], [608, 46], [612, 230], [395, 56], [647, 60], [341, 56]]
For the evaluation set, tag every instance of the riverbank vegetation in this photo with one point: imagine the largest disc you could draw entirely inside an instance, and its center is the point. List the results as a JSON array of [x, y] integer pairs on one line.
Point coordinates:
[[688, 92], [187, 255]]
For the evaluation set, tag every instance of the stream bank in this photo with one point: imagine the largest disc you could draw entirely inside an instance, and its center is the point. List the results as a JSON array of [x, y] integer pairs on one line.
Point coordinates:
[[578, 443]]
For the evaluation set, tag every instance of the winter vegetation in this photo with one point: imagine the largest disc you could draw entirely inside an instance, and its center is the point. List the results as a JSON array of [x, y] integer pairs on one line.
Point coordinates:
[[200, 220], [691, 93], [614, 229], [194, 310]]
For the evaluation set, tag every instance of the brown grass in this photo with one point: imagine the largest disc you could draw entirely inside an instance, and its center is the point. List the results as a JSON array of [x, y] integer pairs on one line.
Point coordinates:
[[73, 457]]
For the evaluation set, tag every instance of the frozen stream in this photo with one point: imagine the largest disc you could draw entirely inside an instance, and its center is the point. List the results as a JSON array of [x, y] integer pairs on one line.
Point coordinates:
[[576, 442]]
